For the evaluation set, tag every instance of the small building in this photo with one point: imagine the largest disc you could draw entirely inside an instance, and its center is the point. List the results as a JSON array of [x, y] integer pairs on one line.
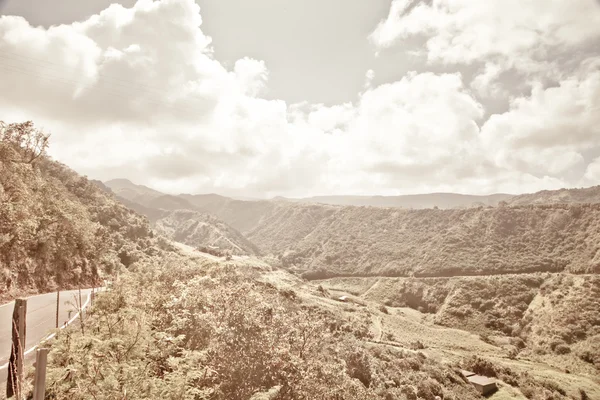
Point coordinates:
[[466, 373], [483, 384]]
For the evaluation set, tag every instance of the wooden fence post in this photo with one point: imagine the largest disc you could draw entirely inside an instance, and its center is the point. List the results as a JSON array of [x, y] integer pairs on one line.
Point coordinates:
[[57, 306], [15, 366], [39, 385], [81, 322]]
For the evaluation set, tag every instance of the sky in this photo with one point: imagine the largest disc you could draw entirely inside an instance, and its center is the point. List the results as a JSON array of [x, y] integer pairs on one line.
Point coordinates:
[[268, 98]]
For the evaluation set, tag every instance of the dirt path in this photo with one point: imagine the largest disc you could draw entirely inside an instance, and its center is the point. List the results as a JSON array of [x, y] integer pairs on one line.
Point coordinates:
[[189, 250], [377, 328], [373, 286]]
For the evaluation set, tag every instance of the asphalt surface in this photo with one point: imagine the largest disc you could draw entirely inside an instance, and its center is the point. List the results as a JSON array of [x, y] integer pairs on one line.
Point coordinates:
[[41, 322]]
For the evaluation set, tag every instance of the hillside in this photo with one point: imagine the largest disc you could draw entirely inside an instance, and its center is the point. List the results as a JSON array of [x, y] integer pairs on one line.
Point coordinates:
[[58, 229], [192, 227], [564, 196], [326, 240], [553, 318], [416, 201], [202, 230], [188, 326], [242, 215], [191, 328], [368, 241], [125, 188]]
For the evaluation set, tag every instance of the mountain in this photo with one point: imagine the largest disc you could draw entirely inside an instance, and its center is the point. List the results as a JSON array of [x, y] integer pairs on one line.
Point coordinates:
[[242, 215], [167, 202], [565, 196], [326, 241], [57, 228], [416, 201], [245, 330], [127, 189], [178, 219], [202, 230], [321, 240]]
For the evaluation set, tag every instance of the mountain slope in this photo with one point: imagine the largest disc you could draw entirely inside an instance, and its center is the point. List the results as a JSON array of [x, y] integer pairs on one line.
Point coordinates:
[[368, 241], [202, 230], [192, 227], [553, 318], [242, 215], [416, 201], [127, 189], [566, 196], [58, 229]]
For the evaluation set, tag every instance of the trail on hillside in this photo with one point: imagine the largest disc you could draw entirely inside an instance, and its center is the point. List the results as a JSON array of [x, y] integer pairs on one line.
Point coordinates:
[[377, 328]]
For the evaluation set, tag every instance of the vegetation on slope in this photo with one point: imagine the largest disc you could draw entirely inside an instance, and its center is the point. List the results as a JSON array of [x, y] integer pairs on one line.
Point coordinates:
[[552, 317], [58, 229], [366, 241], [240, 214], [202, 230], [416, 201], [192, 227], [561, 196], [191, 329]]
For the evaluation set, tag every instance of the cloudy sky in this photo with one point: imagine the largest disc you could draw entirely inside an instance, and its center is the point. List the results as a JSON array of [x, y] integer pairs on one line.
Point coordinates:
[[267, 97]]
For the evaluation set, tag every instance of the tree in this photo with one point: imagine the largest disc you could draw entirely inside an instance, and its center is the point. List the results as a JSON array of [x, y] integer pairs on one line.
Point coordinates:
[[30, 143]]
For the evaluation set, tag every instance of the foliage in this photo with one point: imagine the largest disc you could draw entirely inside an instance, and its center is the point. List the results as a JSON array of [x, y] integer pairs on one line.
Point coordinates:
[[186, 329], [325, 241], [205, 231], [57, 229]]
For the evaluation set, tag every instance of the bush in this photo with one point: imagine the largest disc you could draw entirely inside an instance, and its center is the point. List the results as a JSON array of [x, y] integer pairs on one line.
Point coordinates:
[[358, 367], [418, 345], [562, 349], [429, 389]]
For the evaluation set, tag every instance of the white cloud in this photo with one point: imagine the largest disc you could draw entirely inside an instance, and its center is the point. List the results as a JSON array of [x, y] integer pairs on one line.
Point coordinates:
[[485, 83], [369, 76], [548, 132], [592, 173], [537, 40], [124, 101], [463, 31]]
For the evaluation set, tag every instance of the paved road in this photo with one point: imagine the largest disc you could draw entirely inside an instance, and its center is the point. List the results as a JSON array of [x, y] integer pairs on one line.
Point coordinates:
[[41, 320]]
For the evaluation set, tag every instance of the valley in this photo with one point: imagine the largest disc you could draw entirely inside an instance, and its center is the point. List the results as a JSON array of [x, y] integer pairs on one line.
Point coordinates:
[[299, 200], [517, 283], [305, 299]]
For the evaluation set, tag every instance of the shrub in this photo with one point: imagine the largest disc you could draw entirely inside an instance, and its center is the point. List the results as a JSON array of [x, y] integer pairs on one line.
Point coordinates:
[[562, 349], [589, 357], [429, 389], [418, 345], [359, 367]]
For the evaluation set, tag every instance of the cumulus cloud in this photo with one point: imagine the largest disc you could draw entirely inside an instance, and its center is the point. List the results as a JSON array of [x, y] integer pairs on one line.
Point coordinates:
[[539, 40], [548, 132], [592, 172], [486, 83], [137, 93], [369, 76], [463, 31]]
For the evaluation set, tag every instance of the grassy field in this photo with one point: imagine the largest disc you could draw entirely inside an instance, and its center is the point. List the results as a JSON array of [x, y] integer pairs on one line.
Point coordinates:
[[430, 325]]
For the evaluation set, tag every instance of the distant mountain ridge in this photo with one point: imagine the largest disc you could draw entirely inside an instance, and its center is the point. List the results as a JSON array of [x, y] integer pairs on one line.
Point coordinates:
[[545, 231], [560, 196], [179, 219], [415, 201], [203, 230]]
